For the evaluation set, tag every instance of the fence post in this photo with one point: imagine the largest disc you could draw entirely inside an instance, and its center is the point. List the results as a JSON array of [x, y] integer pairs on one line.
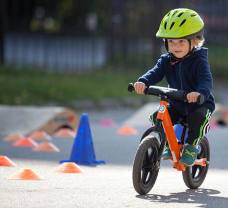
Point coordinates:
[[3, 24]]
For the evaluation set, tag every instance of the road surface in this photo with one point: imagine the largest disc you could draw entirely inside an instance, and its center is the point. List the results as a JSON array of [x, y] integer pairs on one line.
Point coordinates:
[[109, 185]]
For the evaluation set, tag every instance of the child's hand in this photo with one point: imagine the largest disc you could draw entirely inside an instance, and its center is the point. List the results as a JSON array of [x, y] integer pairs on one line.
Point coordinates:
[[192, 97], [139, 87]]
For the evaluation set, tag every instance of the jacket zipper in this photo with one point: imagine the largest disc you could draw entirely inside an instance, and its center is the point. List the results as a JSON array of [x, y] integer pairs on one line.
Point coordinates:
[[185, 110], [180, 76]]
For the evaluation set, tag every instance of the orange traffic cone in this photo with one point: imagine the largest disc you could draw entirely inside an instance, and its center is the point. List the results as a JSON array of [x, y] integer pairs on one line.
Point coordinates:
[[127, 131], [25, 174], [5, 161], [40, 135], [13, 137], [107, 123], [25, 142], [46, 147], [65, 133], [69, 167]]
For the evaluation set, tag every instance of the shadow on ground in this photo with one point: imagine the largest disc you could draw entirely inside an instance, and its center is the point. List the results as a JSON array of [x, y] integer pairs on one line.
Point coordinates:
[[205, 198]]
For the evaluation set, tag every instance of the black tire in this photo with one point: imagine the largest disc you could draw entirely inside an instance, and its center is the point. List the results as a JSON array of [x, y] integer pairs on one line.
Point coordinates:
[[146, 165], [195, 175]]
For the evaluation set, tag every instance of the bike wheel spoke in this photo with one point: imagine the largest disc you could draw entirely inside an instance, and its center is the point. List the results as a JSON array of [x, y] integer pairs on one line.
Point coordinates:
[[152, 155], [149, 159], [148, 165], [145, 174], [194, 170]]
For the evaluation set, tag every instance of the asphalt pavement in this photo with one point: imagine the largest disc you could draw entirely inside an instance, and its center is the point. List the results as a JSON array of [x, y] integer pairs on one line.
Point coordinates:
[[108, 185]]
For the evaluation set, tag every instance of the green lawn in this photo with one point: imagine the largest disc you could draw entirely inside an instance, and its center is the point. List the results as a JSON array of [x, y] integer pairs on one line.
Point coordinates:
[[218, 58], [24, 86]]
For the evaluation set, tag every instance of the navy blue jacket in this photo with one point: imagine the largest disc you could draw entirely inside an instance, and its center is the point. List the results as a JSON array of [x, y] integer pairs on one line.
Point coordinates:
[[190, 74]]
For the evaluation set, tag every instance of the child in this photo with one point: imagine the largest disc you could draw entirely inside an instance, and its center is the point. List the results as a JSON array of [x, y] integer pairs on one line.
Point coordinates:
[[185, 67]]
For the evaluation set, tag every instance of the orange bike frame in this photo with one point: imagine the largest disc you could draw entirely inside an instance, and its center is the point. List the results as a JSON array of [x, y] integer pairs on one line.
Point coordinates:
[[163, 115], [175, 147]]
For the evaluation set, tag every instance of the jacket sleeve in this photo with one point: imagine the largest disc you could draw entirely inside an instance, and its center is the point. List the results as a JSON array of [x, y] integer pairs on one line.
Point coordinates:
[[204, 79], [154, 75]]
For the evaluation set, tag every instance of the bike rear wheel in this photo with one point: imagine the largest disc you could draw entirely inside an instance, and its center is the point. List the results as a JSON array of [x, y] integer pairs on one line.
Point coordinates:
[[146, 165], [194, 176]]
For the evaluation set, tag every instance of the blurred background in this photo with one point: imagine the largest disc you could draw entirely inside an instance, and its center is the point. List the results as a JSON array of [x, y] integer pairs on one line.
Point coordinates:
[[67, 52]]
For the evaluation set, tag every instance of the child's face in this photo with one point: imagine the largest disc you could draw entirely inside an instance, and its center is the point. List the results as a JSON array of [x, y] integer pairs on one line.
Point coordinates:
[[178, 47]]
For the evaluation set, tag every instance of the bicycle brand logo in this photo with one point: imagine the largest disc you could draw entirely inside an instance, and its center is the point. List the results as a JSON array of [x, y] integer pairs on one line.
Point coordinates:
[[161, 109]]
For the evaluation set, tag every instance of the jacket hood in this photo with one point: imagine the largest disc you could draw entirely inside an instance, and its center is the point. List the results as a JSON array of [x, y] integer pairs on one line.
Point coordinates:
[[201, 52]]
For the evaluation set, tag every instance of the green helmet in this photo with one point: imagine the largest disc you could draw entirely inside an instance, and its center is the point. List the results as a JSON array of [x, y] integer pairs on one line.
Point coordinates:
[[180, 23]]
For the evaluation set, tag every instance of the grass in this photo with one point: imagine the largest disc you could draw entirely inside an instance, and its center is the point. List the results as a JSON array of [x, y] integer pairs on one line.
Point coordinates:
[[24, 86], [218, 60]]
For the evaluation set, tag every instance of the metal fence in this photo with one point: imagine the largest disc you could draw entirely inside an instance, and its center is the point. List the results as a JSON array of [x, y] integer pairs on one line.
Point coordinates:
[[58, 53], [129, 38]]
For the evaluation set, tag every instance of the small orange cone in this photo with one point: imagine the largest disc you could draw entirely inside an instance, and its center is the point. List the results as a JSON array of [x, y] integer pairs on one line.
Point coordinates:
[[13, 137], [40, 135], [5, 161], [25, 174], [65, 133], [127, 131], [25, 142], [69, 167], [46, 147], [107, 123]]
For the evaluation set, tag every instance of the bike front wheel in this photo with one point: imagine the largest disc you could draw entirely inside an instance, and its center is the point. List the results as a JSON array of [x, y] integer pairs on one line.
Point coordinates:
[[146, 165], [194, 176]]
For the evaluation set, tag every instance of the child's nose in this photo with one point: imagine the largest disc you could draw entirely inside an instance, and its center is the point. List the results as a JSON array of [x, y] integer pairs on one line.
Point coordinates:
[[176, 45]]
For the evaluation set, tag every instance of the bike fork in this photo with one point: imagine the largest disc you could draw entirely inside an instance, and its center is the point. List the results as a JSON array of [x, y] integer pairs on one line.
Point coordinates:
[[162, 139]]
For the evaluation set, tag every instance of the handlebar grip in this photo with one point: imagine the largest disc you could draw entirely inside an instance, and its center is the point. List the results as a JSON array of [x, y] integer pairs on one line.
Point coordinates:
[[130, 87], [200, 99]]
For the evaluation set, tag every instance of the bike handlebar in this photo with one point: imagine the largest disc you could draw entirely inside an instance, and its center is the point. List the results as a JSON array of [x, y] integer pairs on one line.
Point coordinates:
[[166, 92]]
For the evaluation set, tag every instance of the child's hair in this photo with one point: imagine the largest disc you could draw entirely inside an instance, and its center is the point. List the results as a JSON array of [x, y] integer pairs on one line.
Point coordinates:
[[198, 41]]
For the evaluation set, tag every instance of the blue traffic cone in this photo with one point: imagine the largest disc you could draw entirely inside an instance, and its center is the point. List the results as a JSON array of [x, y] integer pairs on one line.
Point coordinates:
[[83, 150]]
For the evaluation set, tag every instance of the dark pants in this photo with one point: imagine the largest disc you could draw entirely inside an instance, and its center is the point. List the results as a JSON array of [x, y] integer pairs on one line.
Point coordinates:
[[198, 122]]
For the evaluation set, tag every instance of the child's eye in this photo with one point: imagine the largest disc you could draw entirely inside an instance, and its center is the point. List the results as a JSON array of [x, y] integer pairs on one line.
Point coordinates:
[[182, 41], [170, 40]]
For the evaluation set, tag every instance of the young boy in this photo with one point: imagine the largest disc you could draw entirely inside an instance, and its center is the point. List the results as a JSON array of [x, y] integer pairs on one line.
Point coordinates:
[[185, 67]]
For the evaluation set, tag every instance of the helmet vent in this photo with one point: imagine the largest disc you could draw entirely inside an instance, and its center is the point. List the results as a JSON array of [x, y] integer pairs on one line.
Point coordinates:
[[174, 13], [193, 15], [168, 14], [182, 22], [180, 14], [171, 26], [165, 25]]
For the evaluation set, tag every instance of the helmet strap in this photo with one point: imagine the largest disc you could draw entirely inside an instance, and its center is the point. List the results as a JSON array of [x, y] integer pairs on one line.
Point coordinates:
[[166, 45], [190, 46]]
